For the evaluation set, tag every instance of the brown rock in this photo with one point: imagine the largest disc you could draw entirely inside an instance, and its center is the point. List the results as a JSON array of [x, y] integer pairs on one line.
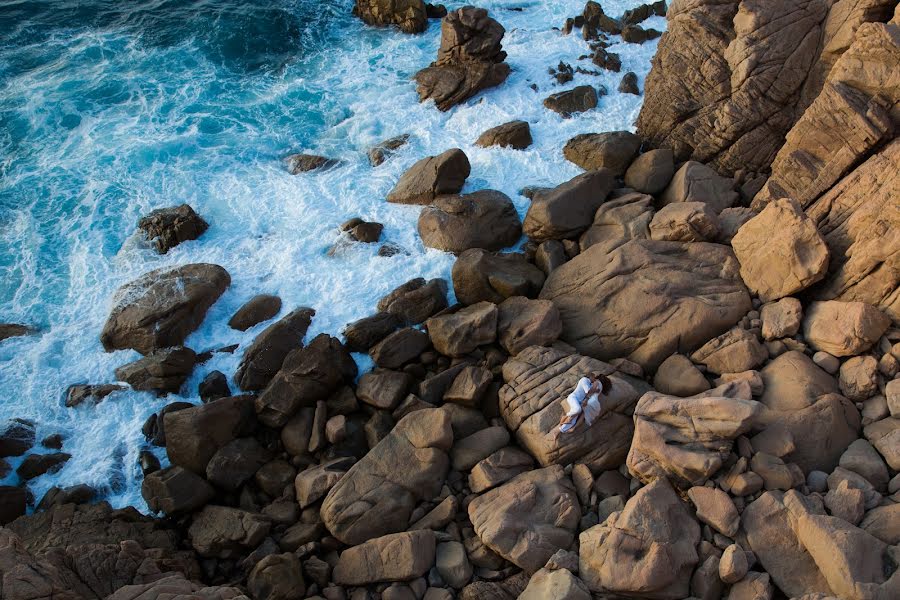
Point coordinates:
[[651, 172], [522, 323], [175, 491], [612, 150], [361, 335], [469, 386], [193, 435], [696, 182], [498, 468], [484, 219], [781, 319], [577, 100], [843, 328], [277, 577], [384, 150], [415, 300], [313, 483], [677, 376], [619, 220], [395, 557], [431, 177], [305, 163], [715, 508], [568, 209], [264, 357], [885, 436], [780, 251], [383, 388], [559, 584], [399, 348], [685, 222], [236, 462], [735, 351], [11, 330], [647, 299], [160, 371], [479, 275], [161, 308], [515, 134], [457, 334], [734, 565], [408, 15], [258, 309], [859, 378], [528, 518], [222, 532], [165, 228], [470, 450]]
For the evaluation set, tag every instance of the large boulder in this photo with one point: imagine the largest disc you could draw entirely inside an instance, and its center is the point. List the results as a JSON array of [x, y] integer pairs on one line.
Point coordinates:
[[264, 357], [415, 300], [408, 15], [458, 333], [522, 323], [469, 60], [161, 371], [803, 399], [613, 150], [484, 219], [579, 99], [619, 220], [685, 222], [843, 328], [647, 550], [165, 228], [647, 299], [308, 375], [406, 467], [696, 182], [735, 351], [175, 491], [528, 518], [225, 532], [431, 177], [568, 209], [161, 308], [689, 439], [780, 250], [860, 222], [479, 275], [538, 380], [651, 172], [515, 134], [395, 557], [193, 435]]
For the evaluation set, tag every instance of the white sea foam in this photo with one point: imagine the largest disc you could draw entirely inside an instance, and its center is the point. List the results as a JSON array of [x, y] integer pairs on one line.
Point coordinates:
[[176, 129]]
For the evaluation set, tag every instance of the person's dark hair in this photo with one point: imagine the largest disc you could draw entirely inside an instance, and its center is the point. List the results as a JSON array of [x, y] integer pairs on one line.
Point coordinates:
[[605, 382]]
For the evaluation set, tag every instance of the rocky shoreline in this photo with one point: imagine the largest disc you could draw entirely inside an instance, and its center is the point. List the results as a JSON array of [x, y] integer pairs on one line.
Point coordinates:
[[732, 267]]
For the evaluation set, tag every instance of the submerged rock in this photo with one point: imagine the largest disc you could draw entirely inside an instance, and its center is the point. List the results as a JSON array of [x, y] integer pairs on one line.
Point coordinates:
[[165, 228], [304, 163]]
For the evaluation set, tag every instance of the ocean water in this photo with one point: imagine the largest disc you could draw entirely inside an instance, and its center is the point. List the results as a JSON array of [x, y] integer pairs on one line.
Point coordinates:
[[111, 109]]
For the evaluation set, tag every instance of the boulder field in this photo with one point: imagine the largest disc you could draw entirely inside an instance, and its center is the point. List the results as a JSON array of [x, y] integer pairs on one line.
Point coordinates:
[[732, 268]]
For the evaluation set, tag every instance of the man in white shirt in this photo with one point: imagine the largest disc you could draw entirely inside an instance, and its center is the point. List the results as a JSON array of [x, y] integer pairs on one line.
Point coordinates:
[[584, 401]]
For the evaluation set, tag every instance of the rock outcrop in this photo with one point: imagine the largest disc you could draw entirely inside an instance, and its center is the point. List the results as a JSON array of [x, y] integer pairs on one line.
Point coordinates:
[[165, 228], [408, 15]]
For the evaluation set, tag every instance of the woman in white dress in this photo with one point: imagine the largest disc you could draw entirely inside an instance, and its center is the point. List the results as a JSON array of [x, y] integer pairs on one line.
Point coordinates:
[[584, 401]]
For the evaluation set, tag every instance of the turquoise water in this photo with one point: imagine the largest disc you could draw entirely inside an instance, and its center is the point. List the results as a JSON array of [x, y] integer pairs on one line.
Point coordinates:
[[109, 110]]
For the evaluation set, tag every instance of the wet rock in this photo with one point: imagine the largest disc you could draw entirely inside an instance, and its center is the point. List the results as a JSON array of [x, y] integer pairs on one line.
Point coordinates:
[[420, 443], [843, 328], [165, 228], [160, 371], [384, 150], [515, 135], [479, 275], [678, 376], [484, 219], [161, 308], [193, 435], [696, 182], [11, 330], [431, 177], [304, 163], [395, 557], [214, 386], [366, 232], [16, 438], [522, 323], [609, 61], [612, 150], [13, 502], [780, 250], [648, 549], [459, 333], [415, 300], [258, 309], [470, 59], [568, 209], [688, 439], [308, 375], [610, 308], [36, 465], [651, 172], [685, 222], [223, 532], [643, 12], [527, 519], [635, 34], [538, 380], [264, 357], [175, 491], [629, 83], [577, 100], [361, 335]]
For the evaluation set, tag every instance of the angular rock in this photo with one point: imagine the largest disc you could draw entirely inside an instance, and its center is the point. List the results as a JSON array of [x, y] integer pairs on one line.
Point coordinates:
[[277, 577], [781, 319], [735, 351], [175, 491], [79, 393], [614, 150], [843, 328], [479, 275], [522, 323], [384, 150], [415, 300], [223, 532], [264, 357], [619, 220], [696, 182], [305, 163], [677, 376], [161, 308], [399, 348], [558, 584], [685, 222], [470, 450], [193, 435], [498, 468], [452, 564], [431, 177], [469, 386], [515, 135], [459, 333], [236, 462], [165, 228], [160, 371], [484, 219], [569, 102], [383, 389], [568, 209], [361, 335], [862, 458], [859, 378], [395, 557], [715, 508], [313, 483], [885, 436], [36, 465]]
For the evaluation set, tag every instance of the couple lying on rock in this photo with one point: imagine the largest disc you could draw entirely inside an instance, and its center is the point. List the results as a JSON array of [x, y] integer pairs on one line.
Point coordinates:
[[584, 401]]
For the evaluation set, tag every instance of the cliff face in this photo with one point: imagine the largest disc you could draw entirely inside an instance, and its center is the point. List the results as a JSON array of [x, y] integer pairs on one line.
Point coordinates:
[[748, 70]]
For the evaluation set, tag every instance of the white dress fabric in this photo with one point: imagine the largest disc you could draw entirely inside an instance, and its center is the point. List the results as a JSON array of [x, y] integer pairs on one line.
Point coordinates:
[[577, 405]]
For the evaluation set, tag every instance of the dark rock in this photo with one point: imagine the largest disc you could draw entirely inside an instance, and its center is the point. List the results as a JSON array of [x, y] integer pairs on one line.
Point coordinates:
[[10, 330], [644, 12], [367, 233], [266, 354], [213, 387], [36, 465], [13, 501], [635, 34], [435, 11], [515, 134], [596, 19], [432, 176], [568, 209], [607, 60], [303, 163], [481, 275], [193, 435], [236, 462], [160, 308], [168, 227], [415, 300], [154, 427], [470, 59], [576, 100], [410, 16], [613, 150], [484, 219], [384, 150], [175, 491], [16, 438], [361, 335], [76, 494], [274, 476], [160, 371], [277, 577], [629, 84], [258, 309], [148, 462], [222, 532], [81, 392], [399, 348], [383, 388], [54, 441], [308, 375]]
